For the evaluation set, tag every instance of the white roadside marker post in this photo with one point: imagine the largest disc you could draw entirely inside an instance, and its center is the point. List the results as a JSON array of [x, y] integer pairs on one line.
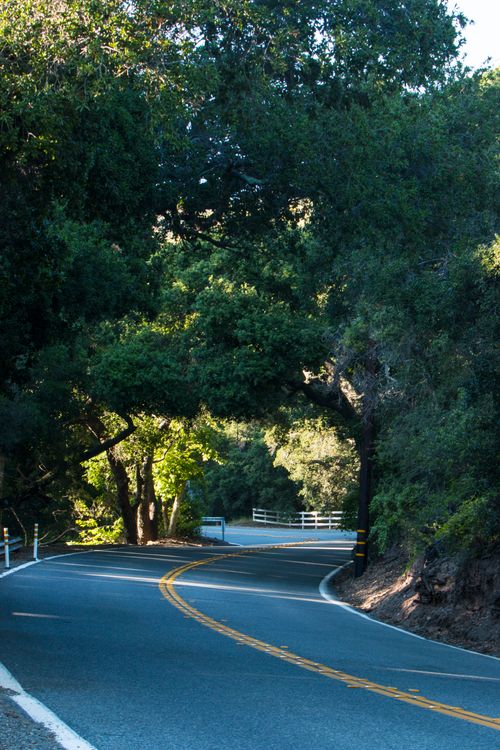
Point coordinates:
[[35, 543], [6, 548]]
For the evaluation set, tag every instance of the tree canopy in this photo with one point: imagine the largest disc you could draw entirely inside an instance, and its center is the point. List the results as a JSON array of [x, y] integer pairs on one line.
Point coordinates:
[[238, 208]]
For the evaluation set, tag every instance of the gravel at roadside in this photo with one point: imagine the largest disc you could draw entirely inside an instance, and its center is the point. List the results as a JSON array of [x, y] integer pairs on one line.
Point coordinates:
[[19, 732]]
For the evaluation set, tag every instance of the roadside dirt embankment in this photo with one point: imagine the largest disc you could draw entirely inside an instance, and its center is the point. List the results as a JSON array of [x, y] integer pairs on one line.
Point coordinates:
[[449, 600]]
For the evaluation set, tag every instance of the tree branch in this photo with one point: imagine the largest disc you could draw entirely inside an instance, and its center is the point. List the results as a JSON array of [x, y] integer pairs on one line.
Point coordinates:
[[326, 395], [110, 442], [207, 238], [247, 178]]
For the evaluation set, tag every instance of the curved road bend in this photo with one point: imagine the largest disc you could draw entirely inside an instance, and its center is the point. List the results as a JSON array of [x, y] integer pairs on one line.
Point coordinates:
[[199, 659]]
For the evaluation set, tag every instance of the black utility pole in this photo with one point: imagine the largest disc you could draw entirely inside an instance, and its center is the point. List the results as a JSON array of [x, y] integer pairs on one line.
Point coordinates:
[[365, 482]]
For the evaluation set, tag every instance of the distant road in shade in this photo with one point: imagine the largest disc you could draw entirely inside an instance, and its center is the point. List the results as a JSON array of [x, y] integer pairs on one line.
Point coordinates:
[[251, 536]]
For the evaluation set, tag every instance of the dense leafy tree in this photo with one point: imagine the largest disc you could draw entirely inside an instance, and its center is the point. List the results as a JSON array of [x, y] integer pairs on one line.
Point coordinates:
[[367, 284], [323, 463], [145, 478], [234, 203], [437, 452], [79, 165], [256, 139], [247, 476]]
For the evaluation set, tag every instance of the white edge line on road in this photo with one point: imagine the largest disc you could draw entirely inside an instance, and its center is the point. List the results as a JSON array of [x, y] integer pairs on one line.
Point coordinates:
[[18, 567], [323, 590], [64, 735], [42, 559]]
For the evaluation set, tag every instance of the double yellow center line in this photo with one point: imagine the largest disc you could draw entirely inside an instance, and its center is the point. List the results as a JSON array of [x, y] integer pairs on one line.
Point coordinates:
[[169, 592]]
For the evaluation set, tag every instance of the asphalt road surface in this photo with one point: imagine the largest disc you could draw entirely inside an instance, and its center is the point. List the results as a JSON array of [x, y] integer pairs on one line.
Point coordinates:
[[235, 651], [252, 536]]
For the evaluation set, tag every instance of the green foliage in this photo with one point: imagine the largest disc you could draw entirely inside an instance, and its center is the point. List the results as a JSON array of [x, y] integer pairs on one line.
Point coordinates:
[[249, 322], [188, 449], [324, 466], [78, 162], [143, 370], [97, 473], [94, 508], [436, 473], [474, 526], [214, 205], [247, 476], [190, 513], [300, 463], [172, 453], [93, 531]]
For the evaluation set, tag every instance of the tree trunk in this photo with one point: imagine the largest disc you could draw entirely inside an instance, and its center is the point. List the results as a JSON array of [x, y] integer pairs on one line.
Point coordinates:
[[331, 396], [150, 496], [2, 474], [139, 484], [174, 515], [127, 510], [164, 515], [118, 470], [147, 515]]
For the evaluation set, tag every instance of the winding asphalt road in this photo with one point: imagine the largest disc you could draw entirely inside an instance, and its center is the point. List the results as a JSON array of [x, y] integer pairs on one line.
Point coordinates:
[[233, 649], [248, 536]]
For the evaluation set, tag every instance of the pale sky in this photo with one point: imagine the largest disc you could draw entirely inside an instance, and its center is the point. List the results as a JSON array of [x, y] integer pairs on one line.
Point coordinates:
[[483, 38]]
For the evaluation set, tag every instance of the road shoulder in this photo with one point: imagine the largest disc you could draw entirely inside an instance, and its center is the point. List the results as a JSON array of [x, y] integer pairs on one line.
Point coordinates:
[[393, 592], [19, 730]]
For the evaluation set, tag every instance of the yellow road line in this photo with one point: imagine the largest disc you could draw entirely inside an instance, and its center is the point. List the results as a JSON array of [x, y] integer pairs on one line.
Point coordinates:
[[169, 592]]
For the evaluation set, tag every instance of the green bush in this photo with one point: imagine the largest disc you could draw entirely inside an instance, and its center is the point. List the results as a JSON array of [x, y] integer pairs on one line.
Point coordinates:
[[189, 521]]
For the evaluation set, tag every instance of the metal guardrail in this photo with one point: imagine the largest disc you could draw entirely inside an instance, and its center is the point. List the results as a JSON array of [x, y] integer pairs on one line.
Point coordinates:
[[220, 520], [15, 543], [302, 520], [9, 545]]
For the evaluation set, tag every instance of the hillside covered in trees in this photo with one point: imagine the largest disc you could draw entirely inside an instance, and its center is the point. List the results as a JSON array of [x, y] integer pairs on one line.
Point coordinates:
[[248, 256]]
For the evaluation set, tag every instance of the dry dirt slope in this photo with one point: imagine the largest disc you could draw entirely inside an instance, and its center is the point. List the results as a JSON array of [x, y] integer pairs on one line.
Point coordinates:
[[449, 600]]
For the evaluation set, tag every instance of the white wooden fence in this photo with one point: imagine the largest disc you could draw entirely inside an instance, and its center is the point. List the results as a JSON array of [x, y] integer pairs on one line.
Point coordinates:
[[308, 519]]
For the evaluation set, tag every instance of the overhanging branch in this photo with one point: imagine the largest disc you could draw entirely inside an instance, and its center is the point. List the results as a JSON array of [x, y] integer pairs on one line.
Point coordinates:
[[110, 442], [325, 395]]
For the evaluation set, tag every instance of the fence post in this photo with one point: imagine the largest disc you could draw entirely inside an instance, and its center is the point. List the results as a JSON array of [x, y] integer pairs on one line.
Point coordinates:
[[6, 548], [223, 527], [35, 543]]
